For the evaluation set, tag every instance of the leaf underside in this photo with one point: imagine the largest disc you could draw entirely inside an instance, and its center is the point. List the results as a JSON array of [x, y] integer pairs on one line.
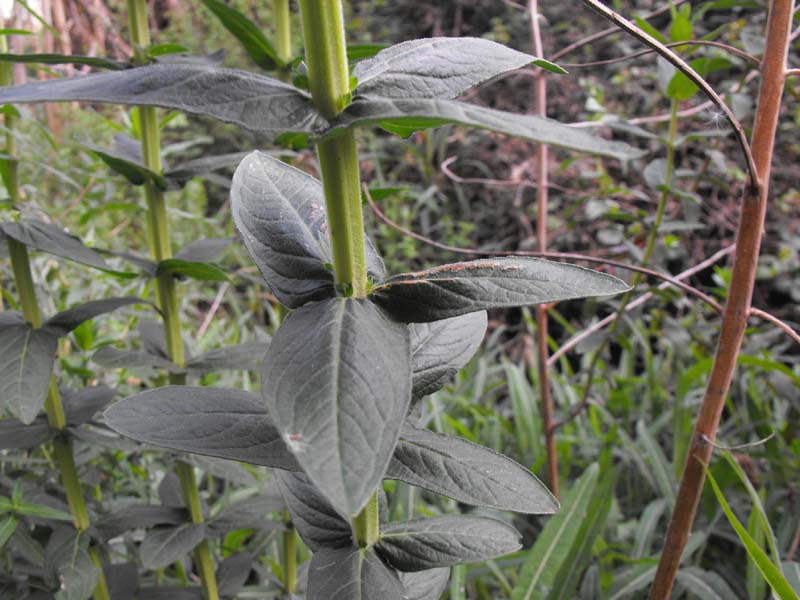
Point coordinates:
[[351, 574]]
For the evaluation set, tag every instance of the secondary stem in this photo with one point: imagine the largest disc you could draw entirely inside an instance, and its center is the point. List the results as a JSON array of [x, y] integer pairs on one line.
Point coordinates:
[[289, 555], [734, 320], [283, 29], [328, 75], [160, 249], [53, 406], [366, 524]]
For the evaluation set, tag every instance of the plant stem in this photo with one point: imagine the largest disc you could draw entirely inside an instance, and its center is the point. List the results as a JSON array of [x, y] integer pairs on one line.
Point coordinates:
[[283, 29], [540, 91], [734, 319], [53, 406], [160, 248], [289, 555], [328, 75], [366, 524], [650, 245]]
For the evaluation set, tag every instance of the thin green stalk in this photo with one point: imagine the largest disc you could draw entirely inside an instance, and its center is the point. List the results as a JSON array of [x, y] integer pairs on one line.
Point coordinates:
[[283, 29], [366, 524], [289, 555], [53, 406], [648, 252], [160, 248]]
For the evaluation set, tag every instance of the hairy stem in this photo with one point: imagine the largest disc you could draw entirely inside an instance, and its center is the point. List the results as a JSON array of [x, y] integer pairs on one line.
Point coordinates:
[[53, 406], [734, 319], [366, 524], [168, 301]]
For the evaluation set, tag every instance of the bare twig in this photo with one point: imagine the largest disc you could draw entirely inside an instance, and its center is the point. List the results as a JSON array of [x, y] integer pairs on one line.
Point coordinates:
[[737, 308], [726, 47], [719, 446]]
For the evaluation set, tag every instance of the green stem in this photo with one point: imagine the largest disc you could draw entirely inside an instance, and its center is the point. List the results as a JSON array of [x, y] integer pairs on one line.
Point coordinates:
[[283, 29], [289, 555], [328, 75], [168, 301], [366, 524]]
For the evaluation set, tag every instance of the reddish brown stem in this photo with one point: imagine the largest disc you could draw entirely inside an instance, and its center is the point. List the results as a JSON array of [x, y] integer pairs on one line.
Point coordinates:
[[540, 93], [734, 320]]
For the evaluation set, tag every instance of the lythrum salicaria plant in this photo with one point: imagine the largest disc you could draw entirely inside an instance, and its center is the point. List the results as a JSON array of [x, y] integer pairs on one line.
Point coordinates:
[[346, 372]]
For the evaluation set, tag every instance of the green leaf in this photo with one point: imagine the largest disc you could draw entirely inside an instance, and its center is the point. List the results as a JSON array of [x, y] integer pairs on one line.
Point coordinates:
[[440, 349], [233, 572], [792, 574], [241, 356], [16, 434], [468, 473], [551, 552], [113, 358], [27, 356], [178, 176], [69, 319], [216, 422], [360, 51], [68, 565], [280, 212], [162, 49], [41, 511], [421, 113], [138, 516], [681, 28], [445, 541], [337, 382], [319, 524], [438, 67], [255, 43], [132, 170], [351, 574], [460, 288], [162, 547], [15, 32], [205, 250], [84, 404], [195, 270], [8, 525], [53, 240], [705, 585], [65, 59], [250, 100], [771, 573], [425, 585]]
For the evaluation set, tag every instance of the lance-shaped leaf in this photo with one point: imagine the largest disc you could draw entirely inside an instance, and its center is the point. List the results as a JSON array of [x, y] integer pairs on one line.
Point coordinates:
[[138, 516], [69, 566], [127, 161], [247, 356], [247, 99], [351, 574], [318, 523], [338, 382], [66, 59], [411, 114], [438, 67], [460, 288], [26, 363], [255, 43], [467, 472], [216, 422], [425, 585], [196, 270], [82, 405], [445, 541], [280, 212], [69, 319], [15, 434], [248, 514], [114, 358], [162, 547], [440, 349], [205, 250], [179, 175], [53, 240]]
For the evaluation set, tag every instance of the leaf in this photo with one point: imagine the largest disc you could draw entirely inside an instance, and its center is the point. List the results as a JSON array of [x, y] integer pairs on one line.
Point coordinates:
[[216, 422], [232, 573], [162, 547], [551, 552], [792, 571], [68, 563], [195, 270], [425, 585], [250, 100], [255, 43], [468, 473], [132, 170], [445, 541], [178, 176], [66, 59], [459, 288], [204, 251], [247, 514], [8, 525], [53, 240], [138, 516], [440, 349], [16, 434], [770, 572], [280, 212], [351, 574], [41, 511], [69, 319], [84, 404], [27, 356], [705, 585], [319, 524], [247, 356], [438, 67], [360, 51], [113, 358], [337, 381], [122, 580], [422, 113]]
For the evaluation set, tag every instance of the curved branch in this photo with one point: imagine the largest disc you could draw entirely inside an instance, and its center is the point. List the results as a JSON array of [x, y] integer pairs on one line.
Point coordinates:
[[726, 47]]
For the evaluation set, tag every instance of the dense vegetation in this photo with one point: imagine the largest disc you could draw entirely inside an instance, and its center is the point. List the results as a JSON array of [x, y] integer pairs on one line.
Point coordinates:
[[213, 385]]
